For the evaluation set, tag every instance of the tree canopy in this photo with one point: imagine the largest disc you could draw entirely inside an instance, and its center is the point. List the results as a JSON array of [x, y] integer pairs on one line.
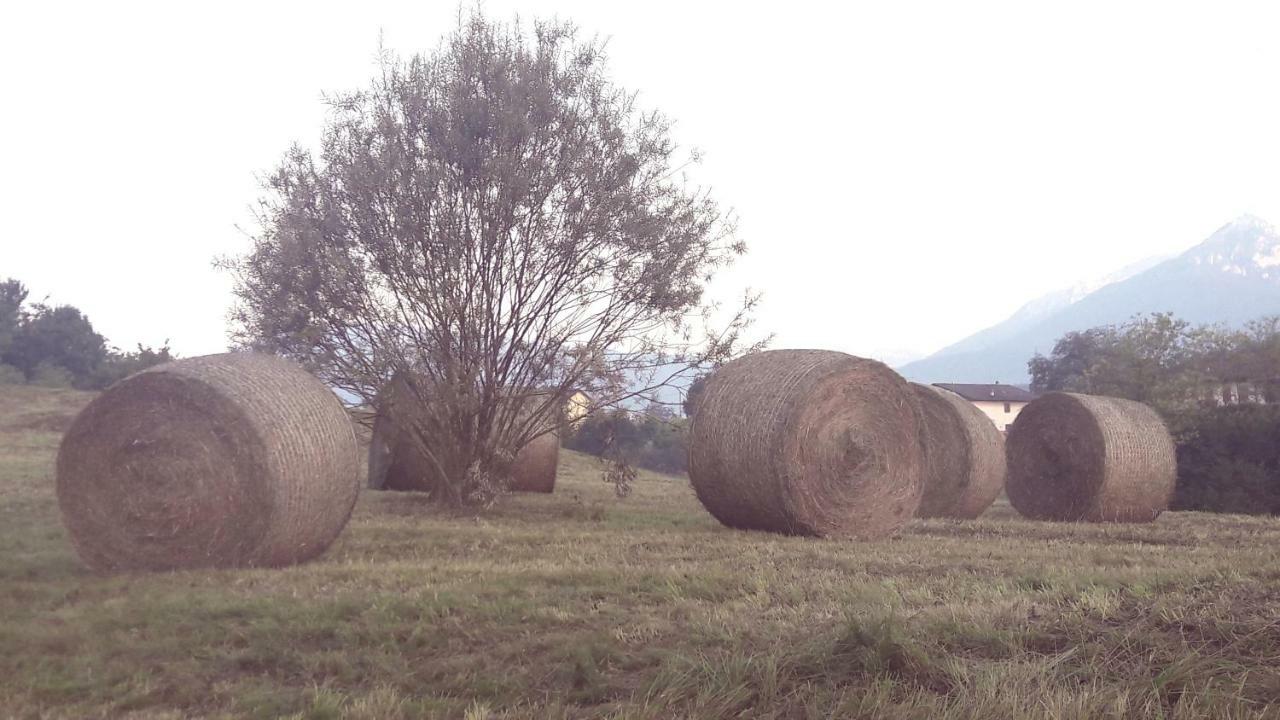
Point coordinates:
[[501, 222], [57, 345], [1166, 362]]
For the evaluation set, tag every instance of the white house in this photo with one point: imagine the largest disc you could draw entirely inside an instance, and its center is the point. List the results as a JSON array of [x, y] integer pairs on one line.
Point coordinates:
[[1001, 403]]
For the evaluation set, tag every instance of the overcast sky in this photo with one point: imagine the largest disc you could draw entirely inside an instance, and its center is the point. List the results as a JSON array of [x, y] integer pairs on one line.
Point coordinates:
[[905, 173]]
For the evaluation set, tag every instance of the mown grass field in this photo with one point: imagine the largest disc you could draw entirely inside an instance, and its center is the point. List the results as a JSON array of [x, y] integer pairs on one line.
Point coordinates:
[[579, 605]]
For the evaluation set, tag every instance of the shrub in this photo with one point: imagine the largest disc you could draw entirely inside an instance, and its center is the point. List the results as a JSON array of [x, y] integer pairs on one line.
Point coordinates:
[[49, 375], [119, 365], [1229, 461]]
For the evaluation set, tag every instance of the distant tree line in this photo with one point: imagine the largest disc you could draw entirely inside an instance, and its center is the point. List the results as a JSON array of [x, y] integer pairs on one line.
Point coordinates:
[[656, 439], [1217, 388], [56, 346]]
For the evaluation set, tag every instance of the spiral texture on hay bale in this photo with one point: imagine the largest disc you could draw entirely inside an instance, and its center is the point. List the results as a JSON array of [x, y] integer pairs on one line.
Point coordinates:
[[964, 463], [229, 460], [397, 461], [807, 442], [1083, 457]]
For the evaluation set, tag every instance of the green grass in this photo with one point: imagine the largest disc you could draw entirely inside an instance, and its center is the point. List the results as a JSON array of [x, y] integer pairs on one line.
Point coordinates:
[[580, 605]]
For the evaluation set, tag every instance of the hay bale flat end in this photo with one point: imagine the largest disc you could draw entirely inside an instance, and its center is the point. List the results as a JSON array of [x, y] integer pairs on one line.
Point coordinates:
[[1090, 458], [225, 460], [807, 442]]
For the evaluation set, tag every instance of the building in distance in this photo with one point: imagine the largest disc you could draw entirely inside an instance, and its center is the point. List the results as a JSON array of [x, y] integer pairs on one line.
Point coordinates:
[[1001, 403]]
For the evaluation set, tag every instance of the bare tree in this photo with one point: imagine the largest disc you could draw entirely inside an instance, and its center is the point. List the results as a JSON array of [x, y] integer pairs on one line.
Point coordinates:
[[501, 223]]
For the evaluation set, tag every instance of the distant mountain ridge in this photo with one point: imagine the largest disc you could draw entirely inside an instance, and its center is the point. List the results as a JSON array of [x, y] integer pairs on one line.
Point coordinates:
[[1043, 307], [1232, 277]]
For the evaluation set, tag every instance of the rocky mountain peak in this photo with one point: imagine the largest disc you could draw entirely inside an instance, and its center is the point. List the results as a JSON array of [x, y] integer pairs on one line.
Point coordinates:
[[1247, 246], [1231, 278]]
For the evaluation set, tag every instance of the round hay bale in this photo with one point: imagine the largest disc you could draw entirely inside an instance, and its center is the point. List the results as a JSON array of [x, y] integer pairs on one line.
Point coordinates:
[[1083, 457], [226, 460], [807, 442], [397, 462], [534, 469], [964, 464]]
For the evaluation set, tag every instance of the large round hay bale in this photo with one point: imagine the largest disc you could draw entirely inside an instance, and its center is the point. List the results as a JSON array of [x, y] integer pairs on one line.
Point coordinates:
[[395, 463], [534, 469], [398, 462], [807, 442], [964, 464], [1083, 457], [219, 461]]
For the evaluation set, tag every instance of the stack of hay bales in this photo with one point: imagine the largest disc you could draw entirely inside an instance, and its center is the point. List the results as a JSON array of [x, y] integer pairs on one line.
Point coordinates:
[[807, 442], [1098, 459], [226, 460], [397, 461], [964, 461]]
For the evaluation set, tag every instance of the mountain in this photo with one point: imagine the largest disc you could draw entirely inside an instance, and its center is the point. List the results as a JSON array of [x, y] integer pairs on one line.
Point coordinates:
[[1036, 311], [1232, 277]]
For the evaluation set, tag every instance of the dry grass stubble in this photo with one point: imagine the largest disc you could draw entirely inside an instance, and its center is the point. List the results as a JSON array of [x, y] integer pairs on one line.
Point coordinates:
[[576, 605]]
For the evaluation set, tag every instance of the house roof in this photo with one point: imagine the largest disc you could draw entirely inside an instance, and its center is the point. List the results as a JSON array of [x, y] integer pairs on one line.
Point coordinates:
[[990, 393]]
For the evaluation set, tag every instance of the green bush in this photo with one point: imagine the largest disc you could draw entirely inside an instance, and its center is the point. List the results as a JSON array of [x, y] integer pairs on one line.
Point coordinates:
[[120, 365], [59, 337], [49, 375], [1229, 460]]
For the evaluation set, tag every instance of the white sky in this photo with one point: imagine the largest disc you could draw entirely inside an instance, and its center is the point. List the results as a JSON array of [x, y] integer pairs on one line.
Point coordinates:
[[905, 173]]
